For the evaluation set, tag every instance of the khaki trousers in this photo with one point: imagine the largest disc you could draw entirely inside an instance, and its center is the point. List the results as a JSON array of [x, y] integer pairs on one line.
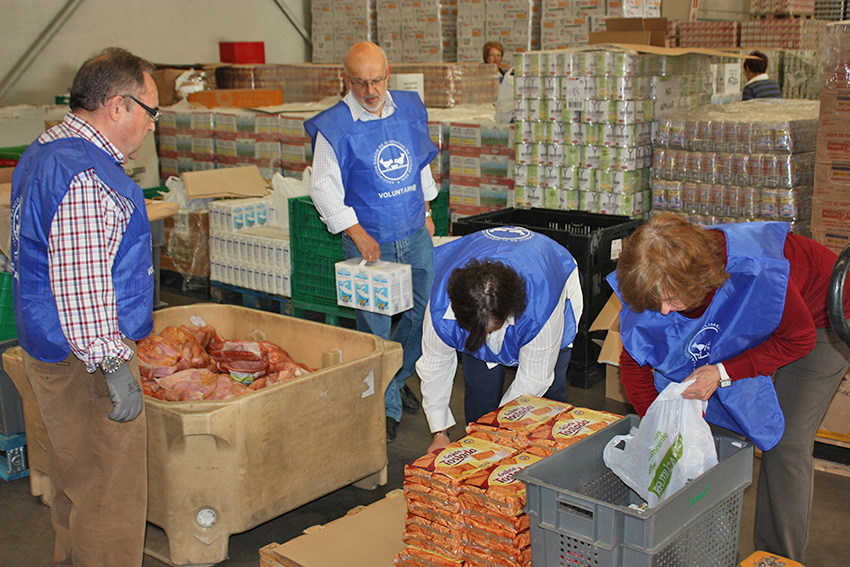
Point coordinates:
[[97, 467]]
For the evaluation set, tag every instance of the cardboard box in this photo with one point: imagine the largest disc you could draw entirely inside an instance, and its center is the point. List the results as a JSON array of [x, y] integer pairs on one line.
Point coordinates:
[[609, 320], [833, 140], [639, 31], [252, 458], [366, 536], [244, 98], [248, 52], [165, 78], [831, 215], [244, 181]]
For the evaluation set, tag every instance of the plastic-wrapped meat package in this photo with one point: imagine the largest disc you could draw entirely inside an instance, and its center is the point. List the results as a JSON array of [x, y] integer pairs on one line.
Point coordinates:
[[199, 384], [240, 356], [174, 349]]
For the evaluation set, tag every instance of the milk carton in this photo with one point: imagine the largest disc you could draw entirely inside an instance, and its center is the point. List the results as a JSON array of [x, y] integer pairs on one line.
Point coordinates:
[[378, 287], [392, 287]]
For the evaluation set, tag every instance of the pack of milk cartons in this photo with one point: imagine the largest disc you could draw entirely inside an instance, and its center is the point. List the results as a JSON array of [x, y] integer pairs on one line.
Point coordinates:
[[247, 247], [378, 287]]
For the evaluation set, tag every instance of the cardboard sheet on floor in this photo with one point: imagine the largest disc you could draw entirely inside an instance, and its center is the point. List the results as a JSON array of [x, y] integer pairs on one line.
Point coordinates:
[[370, 536]]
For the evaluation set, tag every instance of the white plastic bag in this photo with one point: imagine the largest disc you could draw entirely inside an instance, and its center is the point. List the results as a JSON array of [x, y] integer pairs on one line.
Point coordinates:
[[671, 446], [286, 188]]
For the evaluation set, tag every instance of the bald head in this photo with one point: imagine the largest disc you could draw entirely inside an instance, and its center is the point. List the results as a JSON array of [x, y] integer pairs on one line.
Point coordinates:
[[366, 72], [365, 53]]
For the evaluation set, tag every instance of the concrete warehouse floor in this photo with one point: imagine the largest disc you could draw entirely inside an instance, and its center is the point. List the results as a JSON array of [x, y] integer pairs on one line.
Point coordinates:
[[26, 534]]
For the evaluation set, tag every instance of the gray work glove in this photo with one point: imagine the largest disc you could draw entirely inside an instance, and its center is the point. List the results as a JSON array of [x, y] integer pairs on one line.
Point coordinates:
[[125, 393]]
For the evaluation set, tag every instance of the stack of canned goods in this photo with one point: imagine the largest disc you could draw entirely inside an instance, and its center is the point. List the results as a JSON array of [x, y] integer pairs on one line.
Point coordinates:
[[585, 121], [747, 161]]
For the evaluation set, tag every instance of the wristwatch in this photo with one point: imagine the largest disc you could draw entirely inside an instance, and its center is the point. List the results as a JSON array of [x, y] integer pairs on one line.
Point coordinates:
[[110, 364], [443, 432], [725, 380], [428, 213]]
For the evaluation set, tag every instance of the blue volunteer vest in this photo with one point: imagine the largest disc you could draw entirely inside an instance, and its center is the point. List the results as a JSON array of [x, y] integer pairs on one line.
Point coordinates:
[[543, 263], [381, 163], [39, 184], [742, 314]]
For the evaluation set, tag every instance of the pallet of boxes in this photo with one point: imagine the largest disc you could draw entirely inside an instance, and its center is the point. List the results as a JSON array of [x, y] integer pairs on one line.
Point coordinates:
[[831, 202]]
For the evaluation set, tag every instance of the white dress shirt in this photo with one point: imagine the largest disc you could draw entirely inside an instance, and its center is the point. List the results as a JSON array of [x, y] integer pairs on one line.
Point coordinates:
[[535, 372], [327, 191]]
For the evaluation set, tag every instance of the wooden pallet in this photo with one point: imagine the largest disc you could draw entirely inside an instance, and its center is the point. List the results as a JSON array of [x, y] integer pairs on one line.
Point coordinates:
[[773, 16], [231, 294]]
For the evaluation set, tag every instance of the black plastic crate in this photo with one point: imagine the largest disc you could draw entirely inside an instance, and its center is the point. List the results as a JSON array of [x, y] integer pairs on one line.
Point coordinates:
[[594, 240]]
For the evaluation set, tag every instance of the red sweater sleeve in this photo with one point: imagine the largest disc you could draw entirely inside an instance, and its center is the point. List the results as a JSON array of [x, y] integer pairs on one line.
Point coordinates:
[[638, 383], [792, 340]]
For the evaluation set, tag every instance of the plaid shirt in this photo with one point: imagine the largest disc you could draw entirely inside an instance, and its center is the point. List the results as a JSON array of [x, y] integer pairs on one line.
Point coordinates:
[[83, 240]]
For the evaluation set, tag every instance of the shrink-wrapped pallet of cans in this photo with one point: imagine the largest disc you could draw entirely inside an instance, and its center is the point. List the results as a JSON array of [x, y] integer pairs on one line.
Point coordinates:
[[584, 123], [739, 162]]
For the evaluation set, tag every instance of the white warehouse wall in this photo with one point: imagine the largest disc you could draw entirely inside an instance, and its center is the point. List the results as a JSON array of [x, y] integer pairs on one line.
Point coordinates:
[[163, 31]]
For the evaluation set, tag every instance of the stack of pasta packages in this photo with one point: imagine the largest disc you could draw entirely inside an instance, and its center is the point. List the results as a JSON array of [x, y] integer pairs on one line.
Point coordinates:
[[464, 507]]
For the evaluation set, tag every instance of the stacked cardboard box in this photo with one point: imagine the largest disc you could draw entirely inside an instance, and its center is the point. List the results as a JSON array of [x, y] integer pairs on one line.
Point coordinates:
[[338, 24], [708, 34], [789, 33], [296, 148], [481, 166], [451, 84], [418, 31], [513, 23], [198, 139], [831, 200], [584, 121], [747, 161], [245, 137], [784, 7], [186, 140]]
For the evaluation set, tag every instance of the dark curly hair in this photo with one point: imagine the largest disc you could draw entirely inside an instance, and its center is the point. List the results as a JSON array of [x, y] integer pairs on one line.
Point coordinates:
[[113, 71], [484, 293]]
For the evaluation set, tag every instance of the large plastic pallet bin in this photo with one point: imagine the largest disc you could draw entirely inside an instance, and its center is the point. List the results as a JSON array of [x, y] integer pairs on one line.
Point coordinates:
[[580, 515]]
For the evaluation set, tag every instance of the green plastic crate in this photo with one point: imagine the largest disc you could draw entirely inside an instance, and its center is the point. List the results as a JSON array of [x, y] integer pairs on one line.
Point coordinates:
[[440, 213], [10, 156], [7, 308], [154, 192], [314, 253]]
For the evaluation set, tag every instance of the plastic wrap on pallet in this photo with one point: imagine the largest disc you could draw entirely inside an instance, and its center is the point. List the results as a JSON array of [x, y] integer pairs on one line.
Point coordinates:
[[584, 123], [788, 33], [708, 34], [738, 162], [783, 7], [835, 54], [453, 84]]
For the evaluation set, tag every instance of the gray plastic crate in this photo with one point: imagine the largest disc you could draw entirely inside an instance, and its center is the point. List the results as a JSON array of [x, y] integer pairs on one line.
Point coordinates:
[[580, 517]]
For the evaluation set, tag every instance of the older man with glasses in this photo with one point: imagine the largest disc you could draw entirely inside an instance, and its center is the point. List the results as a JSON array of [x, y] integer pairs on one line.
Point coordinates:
[[371, 181], [83, 294]]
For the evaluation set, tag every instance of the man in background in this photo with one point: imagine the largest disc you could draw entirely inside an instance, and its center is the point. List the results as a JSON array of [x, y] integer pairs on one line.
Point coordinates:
[[758, 84], [83, 294], [371, 181]]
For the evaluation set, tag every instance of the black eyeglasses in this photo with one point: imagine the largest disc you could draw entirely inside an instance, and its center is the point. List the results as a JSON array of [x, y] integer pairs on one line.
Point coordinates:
[[153, 113]]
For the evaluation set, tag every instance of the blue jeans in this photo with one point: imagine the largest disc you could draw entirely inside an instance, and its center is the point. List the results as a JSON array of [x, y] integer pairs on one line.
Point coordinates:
[[483, 387], [418, 251]]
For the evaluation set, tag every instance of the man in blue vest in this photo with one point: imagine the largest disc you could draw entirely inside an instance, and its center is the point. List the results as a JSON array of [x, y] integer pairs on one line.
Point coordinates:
[[83, 294], [371, 181], [502, 297]]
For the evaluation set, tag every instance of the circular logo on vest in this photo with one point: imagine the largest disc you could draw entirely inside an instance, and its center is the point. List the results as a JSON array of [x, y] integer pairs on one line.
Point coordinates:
[[508, 233], [700, 345], [392, 161]]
